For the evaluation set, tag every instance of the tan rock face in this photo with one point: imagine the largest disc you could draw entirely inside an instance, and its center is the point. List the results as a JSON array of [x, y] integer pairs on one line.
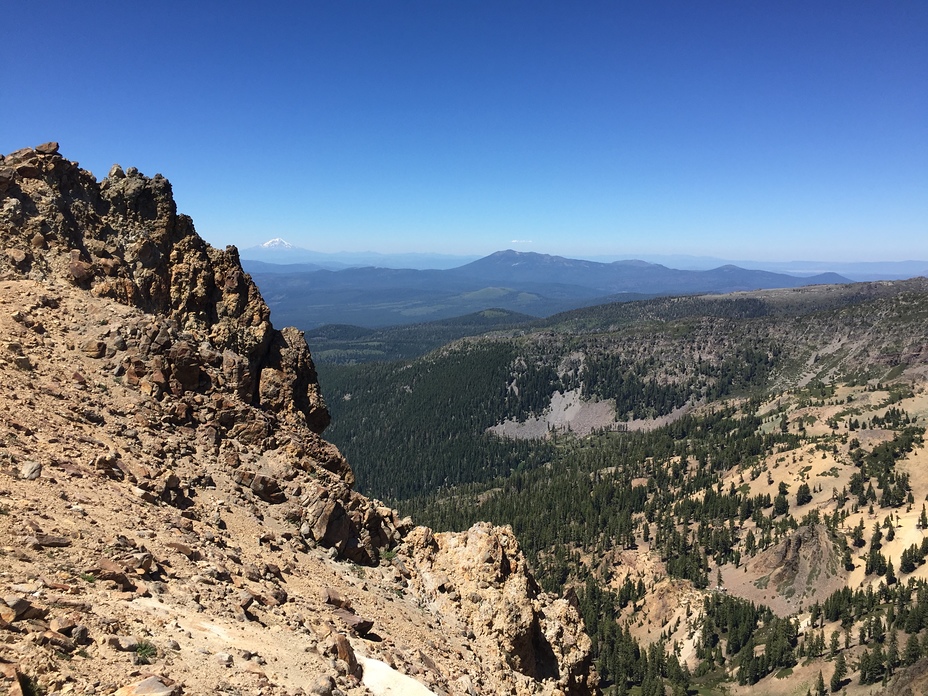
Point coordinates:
[[480, 577], [123, 238], [166, 497]]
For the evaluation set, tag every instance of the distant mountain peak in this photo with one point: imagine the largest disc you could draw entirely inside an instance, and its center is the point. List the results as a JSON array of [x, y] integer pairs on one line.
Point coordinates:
[[523, 256], [511, 254], [277, 243]]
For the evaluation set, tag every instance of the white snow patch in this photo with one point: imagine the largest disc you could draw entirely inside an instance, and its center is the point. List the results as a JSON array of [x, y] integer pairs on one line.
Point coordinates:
[[382, 680]]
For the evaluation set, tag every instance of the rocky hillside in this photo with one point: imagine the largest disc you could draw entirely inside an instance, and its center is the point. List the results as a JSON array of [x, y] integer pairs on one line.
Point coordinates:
[[171, 520]]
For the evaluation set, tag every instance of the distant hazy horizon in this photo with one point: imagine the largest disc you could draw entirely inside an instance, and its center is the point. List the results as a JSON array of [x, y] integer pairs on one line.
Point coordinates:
[[861, 270], [771, 131]]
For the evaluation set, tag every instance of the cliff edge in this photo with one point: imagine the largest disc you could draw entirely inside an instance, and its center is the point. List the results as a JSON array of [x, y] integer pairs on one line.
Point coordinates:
[[172, 520]]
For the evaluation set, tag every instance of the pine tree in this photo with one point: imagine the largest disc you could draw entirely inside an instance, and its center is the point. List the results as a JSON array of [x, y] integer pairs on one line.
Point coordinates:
[[865, 667], [847, 560], [877, 663], [857, 535], [913, 650], [803, 495], [837, 678], [892, 653], [820, 684]]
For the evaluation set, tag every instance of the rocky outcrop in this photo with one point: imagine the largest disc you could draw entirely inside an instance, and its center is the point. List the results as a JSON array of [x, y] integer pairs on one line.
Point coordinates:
[[480, 577], [908, 681], [803, 567], [163, 462], [123, 238], [202, 345]]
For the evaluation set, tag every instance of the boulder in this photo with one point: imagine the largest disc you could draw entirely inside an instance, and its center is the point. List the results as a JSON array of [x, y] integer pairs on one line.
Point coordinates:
[[30, 470], [150, 686]]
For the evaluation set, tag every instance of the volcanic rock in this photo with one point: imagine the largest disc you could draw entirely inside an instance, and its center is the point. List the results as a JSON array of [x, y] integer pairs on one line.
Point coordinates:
[[170, 478]]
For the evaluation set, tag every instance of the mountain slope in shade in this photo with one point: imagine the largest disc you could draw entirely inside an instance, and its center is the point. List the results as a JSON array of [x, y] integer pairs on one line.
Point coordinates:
[[630, 275]]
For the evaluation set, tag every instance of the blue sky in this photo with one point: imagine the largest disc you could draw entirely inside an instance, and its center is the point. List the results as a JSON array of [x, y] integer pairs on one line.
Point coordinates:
[[765, 130]]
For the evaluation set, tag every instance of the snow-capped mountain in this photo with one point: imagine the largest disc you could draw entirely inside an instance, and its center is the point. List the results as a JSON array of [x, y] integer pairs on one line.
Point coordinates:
[[277, 244], [279, 251]]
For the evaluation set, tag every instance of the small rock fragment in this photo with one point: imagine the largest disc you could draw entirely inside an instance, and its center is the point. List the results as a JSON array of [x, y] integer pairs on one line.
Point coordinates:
[[346, 653], [150, 686], [40, 540], [58, 641], [224, 659], [94, 348], [22, 609], [245, 599], [30, 471], [360, 626], [122, 643], [323, 686], [17, 257], [190, 553], [336, 599]]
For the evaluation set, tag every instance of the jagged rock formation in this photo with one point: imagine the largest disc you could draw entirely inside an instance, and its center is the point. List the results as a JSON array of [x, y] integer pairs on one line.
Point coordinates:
[[802, 568], [123, 238], [479, 577], [204, 339], [163, 457]]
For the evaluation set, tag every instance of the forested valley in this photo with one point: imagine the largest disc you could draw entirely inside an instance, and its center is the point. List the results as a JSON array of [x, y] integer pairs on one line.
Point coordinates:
[[751, 512]]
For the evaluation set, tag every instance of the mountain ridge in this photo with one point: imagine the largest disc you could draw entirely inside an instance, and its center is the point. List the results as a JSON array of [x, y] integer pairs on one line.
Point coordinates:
[[525, 282], [856, 271], [280, 251]]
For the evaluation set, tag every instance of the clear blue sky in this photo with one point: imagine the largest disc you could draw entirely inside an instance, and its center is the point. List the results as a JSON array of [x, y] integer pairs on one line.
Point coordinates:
[[772, 130]]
